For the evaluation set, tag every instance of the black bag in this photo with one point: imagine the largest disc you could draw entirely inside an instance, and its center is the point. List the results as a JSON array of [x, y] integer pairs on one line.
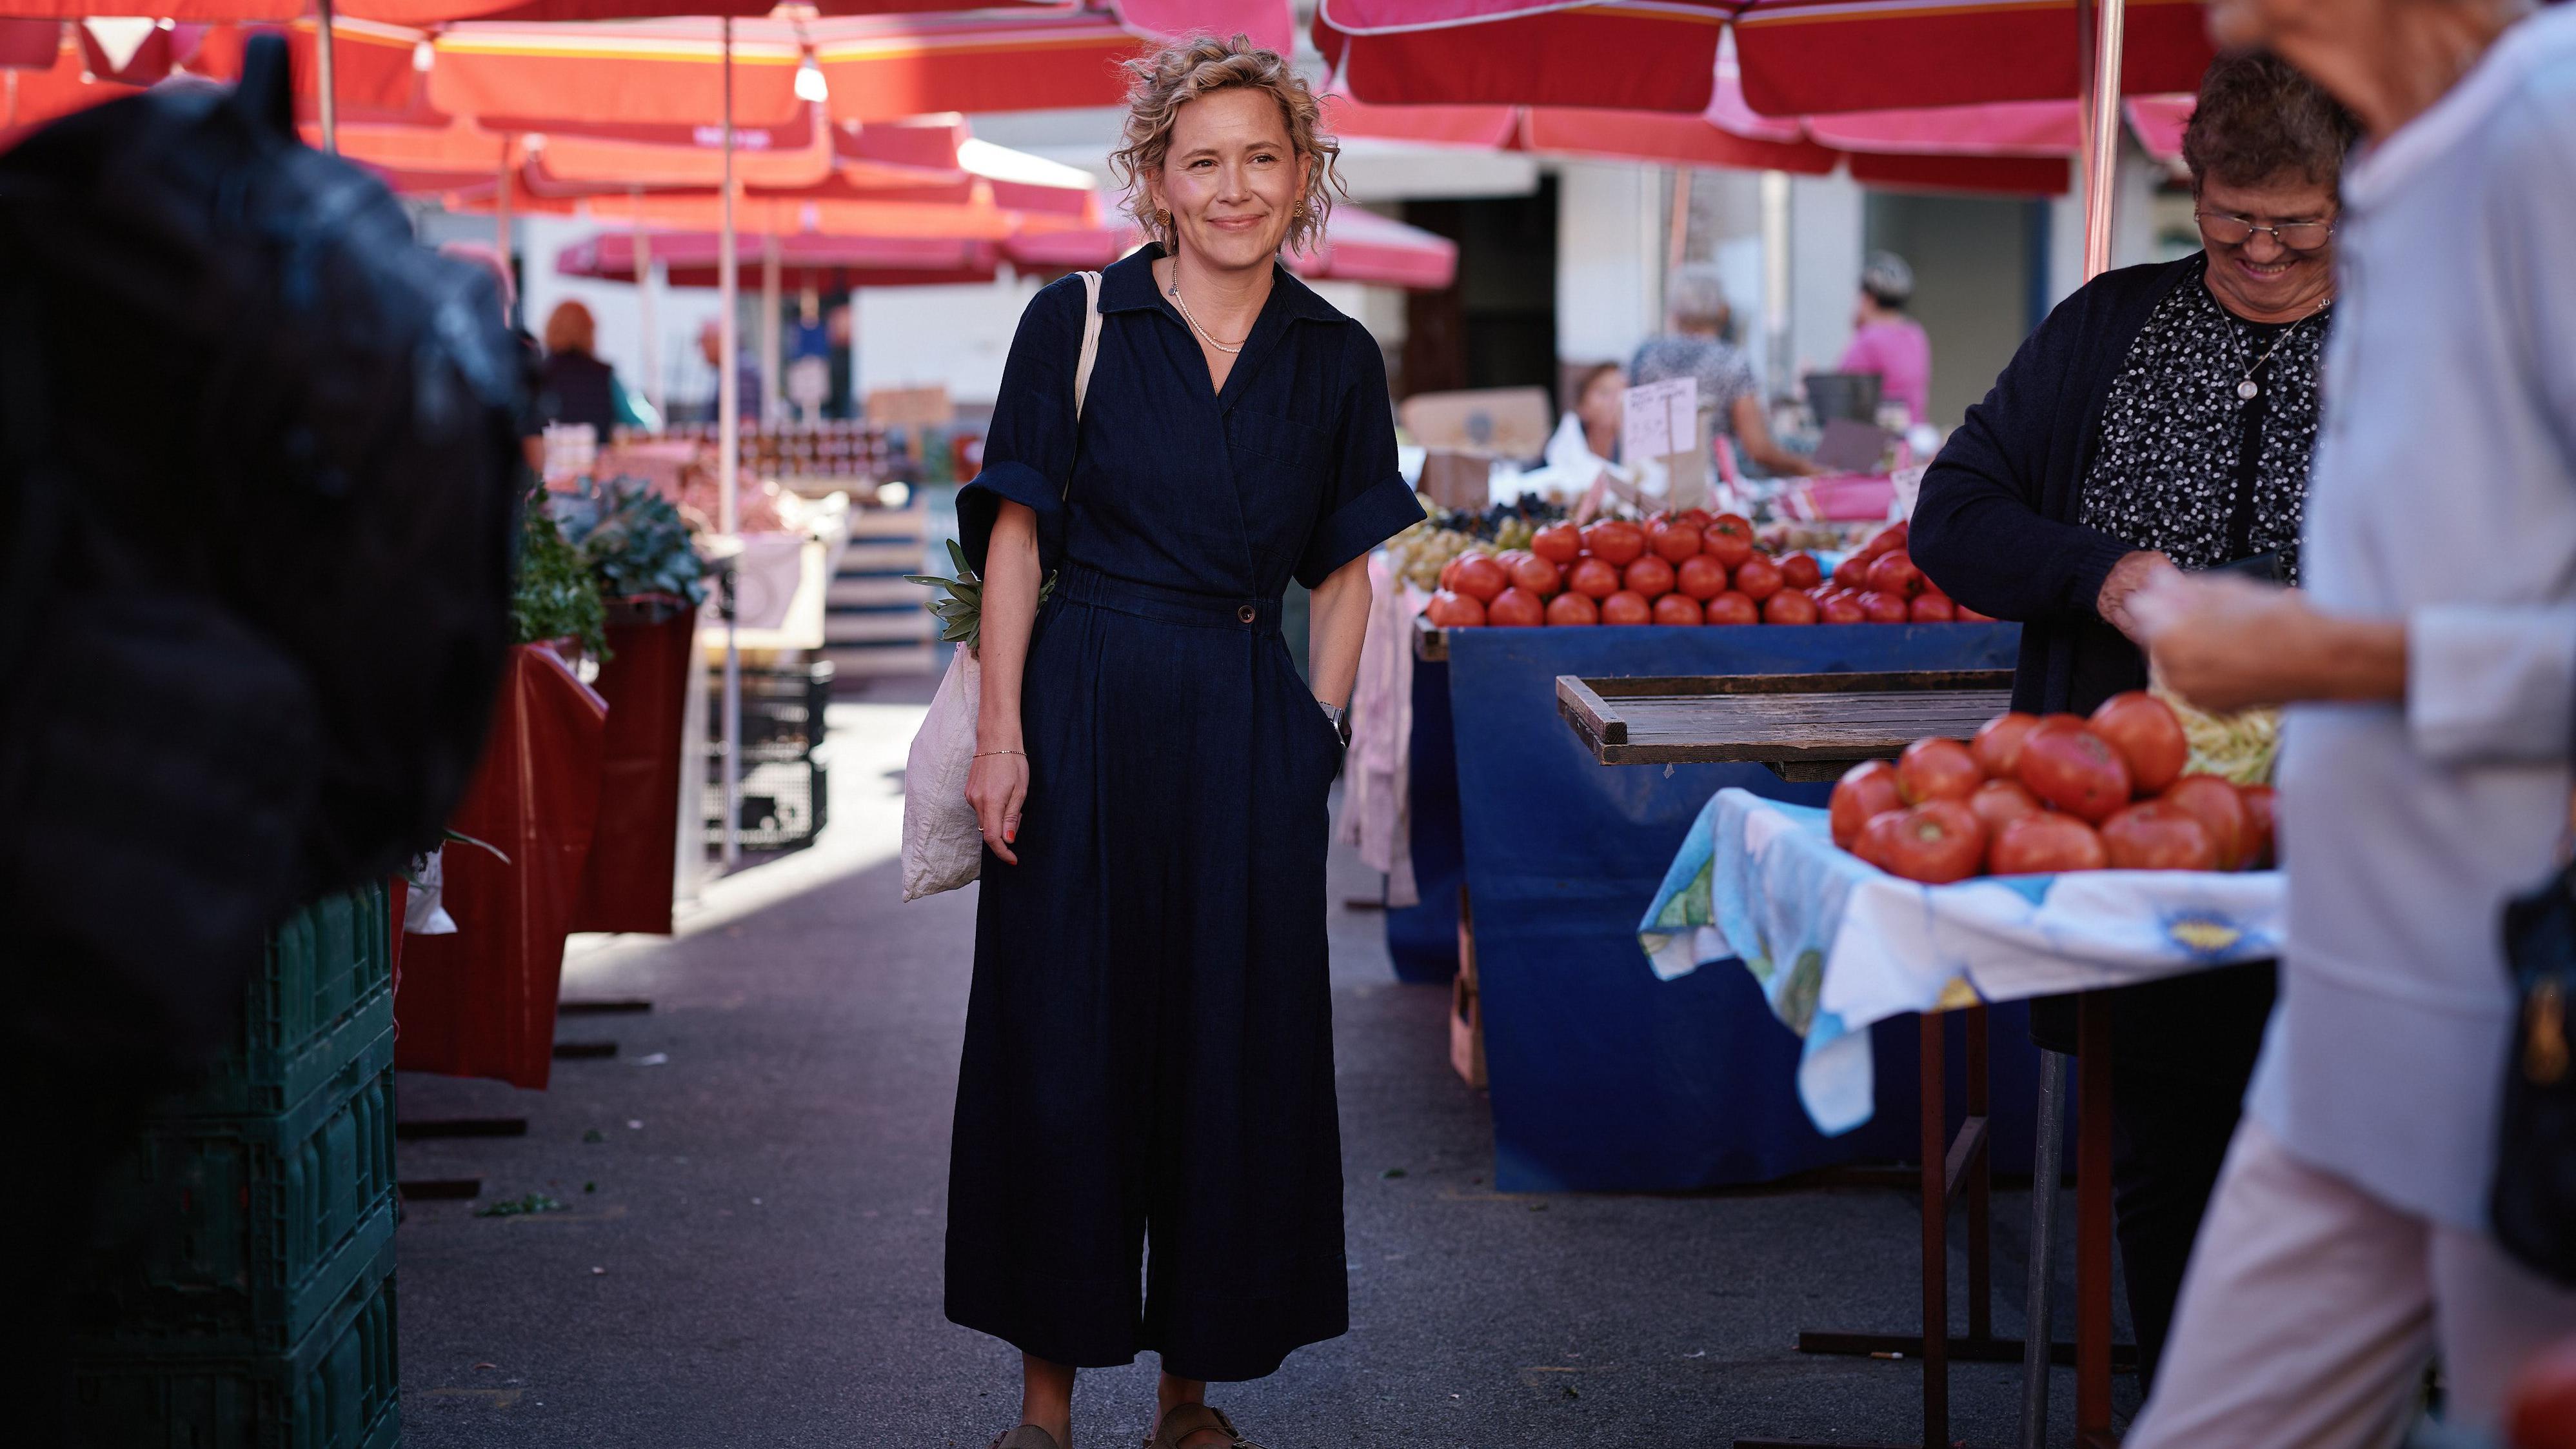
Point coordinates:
[[2532, 1202], [258, 475]]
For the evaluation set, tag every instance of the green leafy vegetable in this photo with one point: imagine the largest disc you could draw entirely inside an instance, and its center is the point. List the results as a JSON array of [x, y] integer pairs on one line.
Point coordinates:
[[557, 597], [632, 537], [961, 614]]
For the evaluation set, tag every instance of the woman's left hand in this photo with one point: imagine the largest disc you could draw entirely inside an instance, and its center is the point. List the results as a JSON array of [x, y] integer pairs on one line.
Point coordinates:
[[2221, 642]]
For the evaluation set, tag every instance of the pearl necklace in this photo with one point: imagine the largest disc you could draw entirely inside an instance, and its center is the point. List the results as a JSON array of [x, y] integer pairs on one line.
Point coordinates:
[[2248, 389], [1174, 292]]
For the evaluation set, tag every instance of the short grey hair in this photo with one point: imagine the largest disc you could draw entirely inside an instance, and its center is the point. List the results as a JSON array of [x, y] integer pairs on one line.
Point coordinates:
[[1696, 297], [1887, 279]]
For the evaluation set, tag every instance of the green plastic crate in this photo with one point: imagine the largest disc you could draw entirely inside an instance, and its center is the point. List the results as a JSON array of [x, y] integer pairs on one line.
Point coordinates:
[[336, 1388], [242, 1232], [324, 995]]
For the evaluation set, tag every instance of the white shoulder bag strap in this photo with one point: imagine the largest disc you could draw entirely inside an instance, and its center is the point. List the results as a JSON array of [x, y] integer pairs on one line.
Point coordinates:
[[1090, 349]]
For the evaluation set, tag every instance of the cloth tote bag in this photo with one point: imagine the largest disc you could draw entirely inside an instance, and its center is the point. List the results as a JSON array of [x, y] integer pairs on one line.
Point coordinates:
[[943, 846]]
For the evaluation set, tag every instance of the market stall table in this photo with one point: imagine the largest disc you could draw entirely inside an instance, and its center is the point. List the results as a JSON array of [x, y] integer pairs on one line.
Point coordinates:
[[1760, 873], [1603, 1079]]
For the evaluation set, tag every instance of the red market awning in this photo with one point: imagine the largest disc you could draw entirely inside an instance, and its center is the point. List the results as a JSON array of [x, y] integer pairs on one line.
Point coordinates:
[[1638, 55], [1799, 57], [802, 258], [898, 66], [640, 72]]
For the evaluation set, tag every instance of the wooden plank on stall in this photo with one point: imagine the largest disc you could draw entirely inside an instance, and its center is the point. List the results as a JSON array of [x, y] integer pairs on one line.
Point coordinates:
[[1783, 720]]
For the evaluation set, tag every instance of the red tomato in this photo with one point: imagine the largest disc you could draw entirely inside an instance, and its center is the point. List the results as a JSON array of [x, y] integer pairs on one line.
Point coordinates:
[[2262, 834], [1890, 539], [1997, 745], [1701, 578], [1930, 609], [2000, 801], [1966, 615], [1615, 542], [2219, 809], [2045, 843], [1841, 608], [2153, 835], [1936, 842], [1728, 539], [1558, 543], [1592, 578], [2147, 735], [1877, 840], [1449, 572], [1481, 578], [1790, 607], [1696, 517], [1537, 575], [1757, 578], [2540, 1403], [1510, 556], [1867, 789], [1895, 573], [1733, 608], [2075, 770], [1516, 609], [1880, 608], [1455, 611], [1801, 571], [1673, 542], [1649, 576], [1677, 609], [1852, 573], [1937, 769], [1573, 608], [1626, 607]]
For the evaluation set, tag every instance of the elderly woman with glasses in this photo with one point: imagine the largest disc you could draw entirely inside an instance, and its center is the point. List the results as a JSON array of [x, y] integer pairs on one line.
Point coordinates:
[[2159, 420]]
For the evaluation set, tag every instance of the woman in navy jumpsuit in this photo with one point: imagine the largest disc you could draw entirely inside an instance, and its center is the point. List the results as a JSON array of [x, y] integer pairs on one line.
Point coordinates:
[[1148, 1071]]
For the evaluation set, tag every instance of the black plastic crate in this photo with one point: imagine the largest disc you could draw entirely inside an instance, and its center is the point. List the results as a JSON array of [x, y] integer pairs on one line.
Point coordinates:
[[238, 1234], [324, 995], [337, 1387], [785, 785]]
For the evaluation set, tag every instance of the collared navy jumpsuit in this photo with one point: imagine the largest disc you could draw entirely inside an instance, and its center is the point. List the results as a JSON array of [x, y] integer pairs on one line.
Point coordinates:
[[1148, 1072]]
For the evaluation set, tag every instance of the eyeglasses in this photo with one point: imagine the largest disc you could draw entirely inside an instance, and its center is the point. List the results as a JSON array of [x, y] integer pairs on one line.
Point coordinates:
[[2234, 231]]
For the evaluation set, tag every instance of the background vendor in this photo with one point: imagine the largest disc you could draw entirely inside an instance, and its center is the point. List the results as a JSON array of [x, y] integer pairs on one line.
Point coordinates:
[[1887, 343], [1697, 346], [2160, 419]]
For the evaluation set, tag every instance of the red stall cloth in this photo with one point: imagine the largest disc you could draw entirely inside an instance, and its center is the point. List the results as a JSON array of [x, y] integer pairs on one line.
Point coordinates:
[[627, 884], [481, 1003]]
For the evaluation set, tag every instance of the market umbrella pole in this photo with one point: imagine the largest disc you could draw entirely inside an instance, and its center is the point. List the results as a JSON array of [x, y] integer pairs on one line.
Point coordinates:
[[728, 467], [330, 106], [652, 345], [501, 236], [770, 391]]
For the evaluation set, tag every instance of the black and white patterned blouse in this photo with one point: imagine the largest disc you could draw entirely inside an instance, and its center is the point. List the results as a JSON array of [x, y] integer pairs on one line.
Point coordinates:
[[2187, 466], [1724, 372]]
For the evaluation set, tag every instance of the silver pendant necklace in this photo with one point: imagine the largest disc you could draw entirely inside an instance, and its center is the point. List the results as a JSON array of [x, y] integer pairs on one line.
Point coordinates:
[[2247, 389], [1174, 293]]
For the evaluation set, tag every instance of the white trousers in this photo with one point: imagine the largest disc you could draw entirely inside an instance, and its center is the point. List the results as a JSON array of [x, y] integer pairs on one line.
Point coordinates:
[[2311, 1307]]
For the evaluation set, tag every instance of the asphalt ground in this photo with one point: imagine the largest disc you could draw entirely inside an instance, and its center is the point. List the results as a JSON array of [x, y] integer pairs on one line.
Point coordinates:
[[753, 1195]]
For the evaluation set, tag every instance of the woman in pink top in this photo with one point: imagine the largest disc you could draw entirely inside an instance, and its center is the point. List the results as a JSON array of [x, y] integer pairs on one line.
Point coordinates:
[[1886, 341]]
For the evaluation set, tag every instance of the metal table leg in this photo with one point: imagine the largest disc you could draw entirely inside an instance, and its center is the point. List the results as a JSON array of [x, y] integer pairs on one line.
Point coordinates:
[[2045, 1173]]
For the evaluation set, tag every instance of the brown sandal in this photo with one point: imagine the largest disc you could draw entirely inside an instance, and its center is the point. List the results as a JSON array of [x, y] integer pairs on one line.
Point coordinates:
[[1187, 1419], [1027, 1436]]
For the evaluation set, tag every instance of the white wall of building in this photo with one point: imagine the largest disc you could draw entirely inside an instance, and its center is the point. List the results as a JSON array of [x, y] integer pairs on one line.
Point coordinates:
[[1825, 232], [1610, 242]]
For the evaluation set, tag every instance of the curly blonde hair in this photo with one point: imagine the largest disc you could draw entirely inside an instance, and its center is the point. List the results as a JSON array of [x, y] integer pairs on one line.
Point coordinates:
[[1178, 74]]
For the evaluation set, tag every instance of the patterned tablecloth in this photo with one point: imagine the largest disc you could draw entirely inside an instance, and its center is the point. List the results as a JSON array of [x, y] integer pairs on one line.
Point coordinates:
[[1838, 944]]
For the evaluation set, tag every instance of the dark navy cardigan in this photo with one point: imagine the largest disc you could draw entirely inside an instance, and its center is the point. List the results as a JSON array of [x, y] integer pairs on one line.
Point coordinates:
[[1995, 523]]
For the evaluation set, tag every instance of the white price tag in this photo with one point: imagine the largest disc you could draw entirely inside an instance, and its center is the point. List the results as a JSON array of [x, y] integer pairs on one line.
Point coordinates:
[[1660, 418]]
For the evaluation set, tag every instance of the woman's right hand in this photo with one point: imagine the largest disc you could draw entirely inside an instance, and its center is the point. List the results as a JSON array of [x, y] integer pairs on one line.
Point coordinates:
[[2136, 571], [997, 785]]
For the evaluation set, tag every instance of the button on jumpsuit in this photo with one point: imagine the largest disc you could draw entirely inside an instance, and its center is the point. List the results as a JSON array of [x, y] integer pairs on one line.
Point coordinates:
[[1146, 1152]]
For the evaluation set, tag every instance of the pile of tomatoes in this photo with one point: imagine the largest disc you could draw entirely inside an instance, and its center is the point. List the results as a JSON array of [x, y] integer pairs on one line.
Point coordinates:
[[1683, 568], [2034, 795]]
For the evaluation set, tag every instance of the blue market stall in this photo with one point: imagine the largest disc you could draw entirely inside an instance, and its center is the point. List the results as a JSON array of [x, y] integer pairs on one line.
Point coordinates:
[[1604, 1078]]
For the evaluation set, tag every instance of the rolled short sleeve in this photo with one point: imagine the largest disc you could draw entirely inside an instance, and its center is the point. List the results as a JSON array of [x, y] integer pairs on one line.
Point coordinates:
[[1029, 450], [1365, 501], [2491, 683]]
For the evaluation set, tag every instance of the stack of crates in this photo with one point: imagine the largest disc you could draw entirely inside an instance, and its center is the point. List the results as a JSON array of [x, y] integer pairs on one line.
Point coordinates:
[[255, 1307], [786, 769]]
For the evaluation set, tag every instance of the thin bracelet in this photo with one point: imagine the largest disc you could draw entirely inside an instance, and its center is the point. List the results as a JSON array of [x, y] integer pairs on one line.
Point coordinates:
[[989, 753]]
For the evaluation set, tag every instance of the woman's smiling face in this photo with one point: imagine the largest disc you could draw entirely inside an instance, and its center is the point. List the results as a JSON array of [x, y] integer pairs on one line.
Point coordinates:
[[1230, 180], [2258, 278]]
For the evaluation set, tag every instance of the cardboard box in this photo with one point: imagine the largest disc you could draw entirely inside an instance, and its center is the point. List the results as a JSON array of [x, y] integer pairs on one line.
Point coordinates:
[[1458, 480], [910, 407], [1501, 422]]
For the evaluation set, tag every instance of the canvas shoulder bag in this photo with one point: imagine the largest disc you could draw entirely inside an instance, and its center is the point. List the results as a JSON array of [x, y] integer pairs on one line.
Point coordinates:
[[943, 845]]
